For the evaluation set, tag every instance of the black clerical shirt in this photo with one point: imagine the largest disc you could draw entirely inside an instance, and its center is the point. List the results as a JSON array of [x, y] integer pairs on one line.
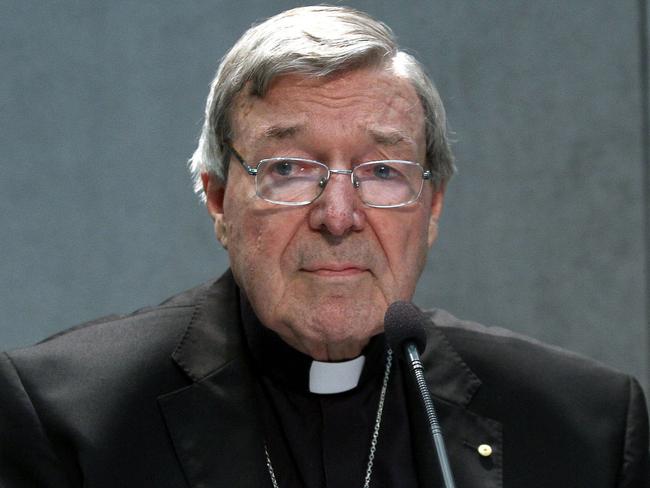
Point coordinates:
[[318, 441]]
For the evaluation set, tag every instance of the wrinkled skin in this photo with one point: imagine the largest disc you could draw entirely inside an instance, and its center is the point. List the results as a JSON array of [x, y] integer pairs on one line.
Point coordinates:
[[322, 275]]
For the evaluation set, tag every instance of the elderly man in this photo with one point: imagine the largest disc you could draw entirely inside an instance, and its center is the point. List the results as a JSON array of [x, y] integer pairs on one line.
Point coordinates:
[[322, 162]]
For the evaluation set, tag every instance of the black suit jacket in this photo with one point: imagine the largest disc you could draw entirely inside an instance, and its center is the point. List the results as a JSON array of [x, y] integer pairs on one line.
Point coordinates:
[[165, 397]]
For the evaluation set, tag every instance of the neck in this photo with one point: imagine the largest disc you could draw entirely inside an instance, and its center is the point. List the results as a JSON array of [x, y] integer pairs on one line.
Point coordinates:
[[324, 352], [286, 365]]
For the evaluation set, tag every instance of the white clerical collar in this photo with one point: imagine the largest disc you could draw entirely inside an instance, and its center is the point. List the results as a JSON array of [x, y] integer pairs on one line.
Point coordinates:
[[327, 378]]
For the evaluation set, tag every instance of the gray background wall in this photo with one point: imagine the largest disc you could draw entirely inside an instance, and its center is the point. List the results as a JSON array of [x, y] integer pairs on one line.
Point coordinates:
[[546, 226]]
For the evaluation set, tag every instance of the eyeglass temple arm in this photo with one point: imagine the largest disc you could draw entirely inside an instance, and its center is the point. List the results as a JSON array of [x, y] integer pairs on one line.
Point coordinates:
[[231, 150]]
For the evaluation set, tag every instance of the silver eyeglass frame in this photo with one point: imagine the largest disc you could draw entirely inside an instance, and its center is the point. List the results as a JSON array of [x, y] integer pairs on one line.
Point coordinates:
[[253, 171]]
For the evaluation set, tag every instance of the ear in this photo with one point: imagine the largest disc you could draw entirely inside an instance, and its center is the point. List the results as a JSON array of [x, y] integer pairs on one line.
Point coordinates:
[[215, 192], [436, 210]]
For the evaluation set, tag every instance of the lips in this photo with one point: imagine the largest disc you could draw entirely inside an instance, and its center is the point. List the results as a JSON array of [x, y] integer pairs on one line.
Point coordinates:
[[335, 269]]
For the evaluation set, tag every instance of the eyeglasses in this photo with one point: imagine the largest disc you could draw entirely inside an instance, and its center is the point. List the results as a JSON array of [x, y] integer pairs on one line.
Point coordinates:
[[296, 181]]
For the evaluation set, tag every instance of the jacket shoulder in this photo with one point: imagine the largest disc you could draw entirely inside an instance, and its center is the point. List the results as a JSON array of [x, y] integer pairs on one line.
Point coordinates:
[[521, 374], [169, 309], [488, 347], [110, 351]]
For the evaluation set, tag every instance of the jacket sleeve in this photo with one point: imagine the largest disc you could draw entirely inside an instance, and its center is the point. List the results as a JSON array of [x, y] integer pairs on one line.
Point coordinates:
[[27, 459], [635, 470]]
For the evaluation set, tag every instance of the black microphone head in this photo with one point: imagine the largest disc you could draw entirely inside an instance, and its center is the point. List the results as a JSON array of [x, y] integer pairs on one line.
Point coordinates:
[[405, 322]]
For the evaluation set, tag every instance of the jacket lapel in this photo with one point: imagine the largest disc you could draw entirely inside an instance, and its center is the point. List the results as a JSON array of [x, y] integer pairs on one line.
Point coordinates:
[[453, 386], [213, 423], [215, 430]]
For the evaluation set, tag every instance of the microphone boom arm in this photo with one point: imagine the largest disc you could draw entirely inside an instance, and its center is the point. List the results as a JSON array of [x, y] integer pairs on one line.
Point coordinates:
[[413, 359]]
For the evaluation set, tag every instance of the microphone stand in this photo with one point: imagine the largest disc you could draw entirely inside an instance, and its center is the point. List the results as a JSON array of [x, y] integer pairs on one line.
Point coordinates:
[[414, 362]]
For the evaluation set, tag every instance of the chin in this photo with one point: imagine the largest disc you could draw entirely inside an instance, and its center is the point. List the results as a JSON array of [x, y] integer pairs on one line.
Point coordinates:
[[341, 333], [330, 324]]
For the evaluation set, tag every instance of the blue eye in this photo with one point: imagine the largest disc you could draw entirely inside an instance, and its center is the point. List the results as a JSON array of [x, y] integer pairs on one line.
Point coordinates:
[[382, 171], [283, 168]]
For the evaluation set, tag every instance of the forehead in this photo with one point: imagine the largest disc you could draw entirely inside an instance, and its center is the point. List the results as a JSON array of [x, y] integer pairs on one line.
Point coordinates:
[[375, 102]]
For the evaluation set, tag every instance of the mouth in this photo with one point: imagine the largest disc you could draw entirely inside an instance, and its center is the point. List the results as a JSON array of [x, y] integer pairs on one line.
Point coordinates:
[[334, 270]]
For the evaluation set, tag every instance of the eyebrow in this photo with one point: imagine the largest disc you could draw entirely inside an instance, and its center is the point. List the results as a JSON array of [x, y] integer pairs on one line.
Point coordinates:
[[391, 137], [282, 132]]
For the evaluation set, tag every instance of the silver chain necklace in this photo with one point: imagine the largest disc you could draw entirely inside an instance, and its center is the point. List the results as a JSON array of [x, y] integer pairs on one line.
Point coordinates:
[[375, 433]]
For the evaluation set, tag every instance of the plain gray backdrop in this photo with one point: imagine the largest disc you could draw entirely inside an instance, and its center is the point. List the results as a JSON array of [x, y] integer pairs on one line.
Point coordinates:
[[545, 229]]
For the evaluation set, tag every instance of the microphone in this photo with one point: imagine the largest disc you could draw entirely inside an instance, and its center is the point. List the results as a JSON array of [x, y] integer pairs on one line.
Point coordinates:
[[404, 330], [404, 325]]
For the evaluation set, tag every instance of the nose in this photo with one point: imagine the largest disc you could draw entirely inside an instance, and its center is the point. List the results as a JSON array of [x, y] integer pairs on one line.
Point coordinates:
[[338, 210]]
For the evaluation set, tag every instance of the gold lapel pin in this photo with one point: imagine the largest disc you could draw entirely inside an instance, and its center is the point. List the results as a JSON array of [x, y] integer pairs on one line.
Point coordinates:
[[485, 450]]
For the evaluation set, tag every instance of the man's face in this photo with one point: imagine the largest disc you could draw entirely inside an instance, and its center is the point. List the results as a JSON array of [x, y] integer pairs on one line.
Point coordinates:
[[322, 275]]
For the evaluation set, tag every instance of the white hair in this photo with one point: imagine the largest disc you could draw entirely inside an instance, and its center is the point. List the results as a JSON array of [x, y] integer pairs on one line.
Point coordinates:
[[315, 41]]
